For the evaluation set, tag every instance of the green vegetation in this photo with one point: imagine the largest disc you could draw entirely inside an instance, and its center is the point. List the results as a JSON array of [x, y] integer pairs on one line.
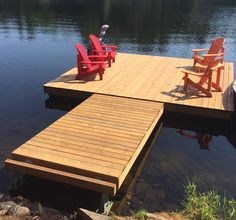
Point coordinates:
[[141, 214], [207, 205], [197, 205]]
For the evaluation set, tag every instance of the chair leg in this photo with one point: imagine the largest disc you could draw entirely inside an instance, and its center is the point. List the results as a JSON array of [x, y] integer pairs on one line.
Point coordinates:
[[109, 61], [207, 92], [198, 87], [101, 76], [185, 81], [79, 76], [101, 72], [216, 85]]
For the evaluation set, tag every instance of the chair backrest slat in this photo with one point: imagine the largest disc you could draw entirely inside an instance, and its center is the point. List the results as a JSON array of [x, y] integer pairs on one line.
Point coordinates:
[[82, 55], [96, 43], [217, 46]]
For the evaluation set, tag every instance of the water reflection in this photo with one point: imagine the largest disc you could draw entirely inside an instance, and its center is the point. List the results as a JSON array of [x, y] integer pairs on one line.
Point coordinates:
[[152, 26], [37, 41], [204, 140], [174, 159]]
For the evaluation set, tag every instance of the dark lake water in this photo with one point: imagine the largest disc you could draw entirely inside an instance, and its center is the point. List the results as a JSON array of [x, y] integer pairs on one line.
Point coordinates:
[[37, 39]]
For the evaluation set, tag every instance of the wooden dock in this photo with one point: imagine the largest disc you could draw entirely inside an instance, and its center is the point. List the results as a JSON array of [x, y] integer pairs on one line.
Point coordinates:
[[93, 146], [151, 78]]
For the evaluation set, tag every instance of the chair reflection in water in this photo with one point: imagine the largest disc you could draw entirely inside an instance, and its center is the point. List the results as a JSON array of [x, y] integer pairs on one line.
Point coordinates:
[[204, 140]]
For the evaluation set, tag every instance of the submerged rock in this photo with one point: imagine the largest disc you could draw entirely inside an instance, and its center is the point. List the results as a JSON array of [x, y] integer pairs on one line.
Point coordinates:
[[37, 209], [1, 196], [19, 211], [3, 212], [7, 205]]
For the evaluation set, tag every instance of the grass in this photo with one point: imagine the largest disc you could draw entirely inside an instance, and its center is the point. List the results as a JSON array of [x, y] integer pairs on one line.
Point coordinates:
[[207, 205], [198, 205], [141, 214]]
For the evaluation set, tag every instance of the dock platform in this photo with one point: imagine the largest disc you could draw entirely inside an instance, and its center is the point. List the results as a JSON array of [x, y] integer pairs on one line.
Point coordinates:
[[152, 78], [93, 146]]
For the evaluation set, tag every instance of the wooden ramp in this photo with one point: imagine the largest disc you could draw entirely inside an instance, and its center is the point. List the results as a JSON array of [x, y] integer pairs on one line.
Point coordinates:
[[93, 146], [152, 78]]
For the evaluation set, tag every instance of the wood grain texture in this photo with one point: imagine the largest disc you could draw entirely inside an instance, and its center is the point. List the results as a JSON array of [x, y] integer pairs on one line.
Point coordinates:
[[152, 78], [99, 140]]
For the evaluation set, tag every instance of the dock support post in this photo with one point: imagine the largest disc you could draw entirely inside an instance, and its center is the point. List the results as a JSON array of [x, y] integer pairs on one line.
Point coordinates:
[[105, 204]]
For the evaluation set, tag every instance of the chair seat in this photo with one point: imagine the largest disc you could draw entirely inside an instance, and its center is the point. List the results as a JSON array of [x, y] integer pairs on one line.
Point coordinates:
[[199, 58], [94, 67]]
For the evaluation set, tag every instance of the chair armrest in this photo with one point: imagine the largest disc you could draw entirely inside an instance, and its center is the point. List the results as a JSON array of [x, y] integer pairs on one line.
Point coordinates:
[[199, 50], [109, 46], [93, 62], [102, 51], [213, 55], [191, 73], [96, 56], [220, 65], [98, 50]]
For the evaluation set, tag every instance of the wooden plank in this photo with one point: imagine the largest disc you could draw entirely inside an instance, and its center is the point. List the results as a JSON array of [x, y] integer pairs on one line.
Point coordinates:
[[73, 151], [219, 95], [123, 100], [117, 154], [60, 176], [108, 124], [100, 129], [230, 89], [84, 145], [139, 148], [112, 115], [114, 112], [93, 145], [110, 118], [72, 160], [63, 164], [95, 133], [84, 141], [130, 188], [144, 77], [78, 136]]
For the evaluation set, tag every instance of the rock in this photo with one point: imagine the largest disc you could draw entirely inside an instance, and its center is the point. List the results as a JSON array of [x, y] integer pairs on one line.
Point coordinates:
[[37, 209], [1, 196], [158, 216], [52, 214], [3, 212], [19, 198], [6, 205], [88, 215], [19, 211]]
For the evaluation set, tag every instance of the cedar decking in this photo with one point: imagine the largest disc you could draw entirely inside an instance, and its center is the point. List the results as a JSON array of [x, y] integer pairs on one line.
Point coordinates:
[[151, 78], [93, 146]]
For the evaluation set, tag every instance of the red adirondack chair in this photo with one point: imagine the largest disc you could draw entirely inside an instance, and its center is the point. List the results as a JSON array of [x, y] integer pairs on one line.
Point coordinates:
[[216, 49], [205, 83], [96, 48], [86, 64]]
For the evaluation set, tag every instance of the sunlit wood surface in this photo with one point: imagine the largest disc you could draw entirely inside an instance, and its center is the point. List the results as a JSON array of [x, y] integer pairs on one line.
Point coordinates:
[[93, 146], [150, 78]]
